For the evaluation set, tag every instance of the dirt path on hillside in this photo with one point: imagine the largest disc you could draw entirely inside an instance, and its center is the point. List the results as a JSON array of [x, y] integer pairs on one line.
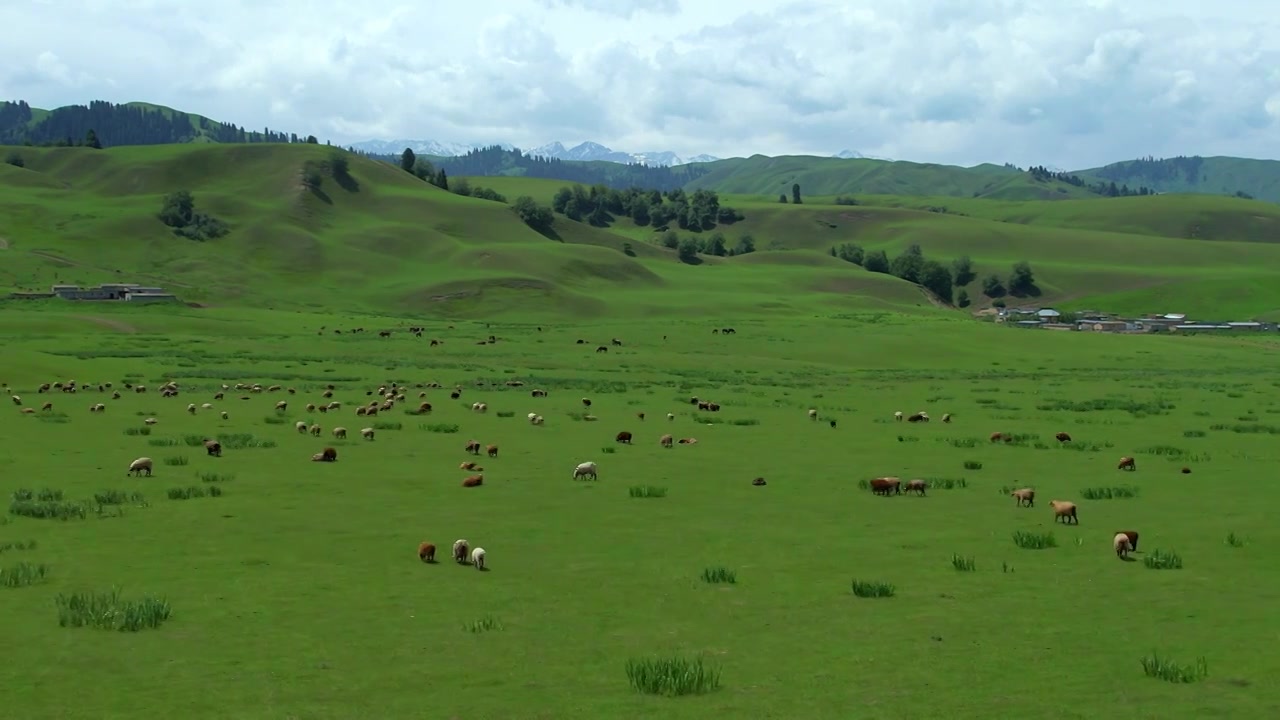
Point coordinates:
[[117, 325]]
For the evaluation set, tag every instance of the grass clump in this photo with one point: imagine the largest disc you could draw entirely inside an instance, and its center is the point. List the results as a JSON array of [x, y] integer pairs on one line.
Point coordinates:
[[213, 477], [110, 611], [484, 624], [46, 505], [387, 426], [1162, 560], [446, 428], [1193, 433], [1034, 541], [672, 677], [646, 491], [177, 460], [242, 441], [1164, 451], [962, 564], [1160, 668], [137, 431], [972, 465], [719, 575], [22, 574], [20, 545], [119, 497], [162, 442], [872, 589], [195, 491], [275, 420], [1109, 493], [501, 414], [608, 450], [947, 483], [1234, 540]]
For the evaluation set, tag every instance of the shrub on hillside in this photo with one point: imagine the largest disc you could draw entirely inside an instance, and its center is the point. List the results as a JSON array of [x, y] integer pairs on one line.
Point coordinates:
[[14, 159], [538, 217], [178, 211]]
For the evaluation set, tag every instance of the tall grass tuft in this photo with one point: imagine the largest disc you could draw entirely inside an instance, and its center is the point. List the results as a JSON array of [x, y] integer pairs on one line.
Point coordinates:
[[1109, 493], [195, 491], [646, 491], [275, 420], [1234, 540], [387, 426], [719, 575], [137, 431], [1160, 668], [608, 450], [22, 574], [505, 414], [946, 483], [177, 460], [447, 428], [119, 497], [1162, 560], [1034, 541], [242, 441], [872, 589], [672, 677], [213, 477], [972, 465], [162, 442], [19, 545], [110, 611], [963, 564], [484, 624]]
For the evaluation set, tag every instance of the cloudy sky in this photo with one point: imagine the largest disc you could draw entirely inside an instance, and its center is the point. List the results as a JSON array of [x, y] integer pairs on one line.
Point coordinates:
[[1069, 83]]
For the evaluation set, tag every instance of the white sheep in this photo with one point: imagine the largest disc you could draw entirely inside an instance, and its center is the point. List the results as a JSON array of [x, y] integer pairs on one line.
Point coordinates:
[[282, 405], [301, 427], [813, 413], [477, 558], [1122, 545], [537, 420], [207, 406], [17, 400], [150, 421], [224, 414], [141, 465], [898, 416], [191, 408], [671, 416], [367, 433], [533, 415], [585, 469], [340, 433]]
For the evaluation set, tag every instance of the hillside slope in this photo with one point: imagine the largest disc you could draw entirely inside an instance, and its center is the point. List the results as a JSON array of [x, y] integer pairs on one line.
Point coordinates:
[[382, 241], [1218, 175]]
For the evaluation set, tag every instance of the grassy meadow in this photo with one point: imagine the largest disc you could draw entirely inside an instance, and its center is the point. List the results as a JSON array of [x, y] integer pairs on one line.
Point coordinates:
[[262, 585]]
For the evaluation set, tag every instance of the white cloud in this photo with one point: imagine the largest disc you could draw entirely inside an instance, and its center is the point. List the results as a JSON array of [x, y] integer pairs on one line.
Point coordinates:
[[1070, 84]]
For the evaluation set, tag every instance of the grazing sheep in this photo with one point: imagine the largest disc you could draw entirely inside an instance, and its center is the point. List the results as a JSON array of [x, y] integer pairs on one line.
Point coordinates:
[[1122, 545], [687, 441], [206, 406], [473, 447], [28, 411], [424, 408], [366, 433], [282, 406], [213, 447], [46, 407], [224, 414], [623, 437], [1064, 511], [898, 416], [586, 402], [473, 481], [477, 558], [141, 465], [832, 423], [589, 418], [150, 421], [886, 486], [191, 408], [946, 417], [1025, 496], [759, 481], [115, 395], [1127, 463], [586, 469], [427, 552], [919, 417], [301, 427], [532, 415], [340, 433], [219, 396], [666, 441], [917, 486], [671, 416], [460, 551], [316, 430], [329, 454], [16, 400], [1132, 535], [813, 414], [470, 466], [640, 415], [492, 450], [1062, 437], [539, 393]]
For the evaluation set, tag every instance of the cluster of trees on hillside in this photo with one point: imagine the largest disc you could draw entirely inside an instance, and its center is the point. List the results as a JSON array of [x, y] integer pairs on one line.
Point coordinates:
[[423, 169], [714, 244], [123, 125], [178, 211], [1106, 189], [940, 279], [497, 161], [1174, 169], [599, 205], [795, 195]]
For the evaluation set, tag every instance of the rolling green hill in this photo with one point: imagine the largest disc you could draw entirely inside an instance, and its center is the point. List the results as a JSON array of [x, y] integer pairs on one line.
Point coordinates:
[[135, 123], [1258, 179]]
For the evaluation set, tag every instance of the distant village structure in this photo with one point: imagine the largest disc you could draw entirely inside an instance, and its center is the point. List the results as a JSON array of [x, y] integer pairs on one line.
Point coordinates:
[[1093, 321], [127, 292]]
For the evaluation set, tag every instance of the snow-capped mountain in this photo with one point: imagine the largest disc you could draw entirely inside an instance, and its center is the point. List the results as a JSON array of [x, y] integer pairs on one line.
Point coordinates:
[[848, 155], [583, 152]]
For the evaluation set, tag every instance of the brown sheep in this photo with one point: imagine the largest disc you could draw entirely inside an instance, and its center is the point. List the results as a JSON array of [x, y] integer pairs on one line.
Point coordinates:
[[213, 447], [424, 408], [918, 417], [1132, 535], [1025, 496], [623, 437], [329, 454], [1122, 545], [886, 486], [997, 437], [917, 486], [470, 466], [473, 481], [666, 441], [1062, 437], [1127, 463], [1064, 511], [473, 447], [687, 441], [28, 411], [492, 450], [427, 552]]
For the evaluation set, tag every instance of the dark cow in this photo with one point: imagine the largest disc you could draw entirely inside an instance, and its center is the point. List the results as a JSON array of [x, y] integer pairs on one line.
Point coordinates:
[[623, 437], [886, 486]]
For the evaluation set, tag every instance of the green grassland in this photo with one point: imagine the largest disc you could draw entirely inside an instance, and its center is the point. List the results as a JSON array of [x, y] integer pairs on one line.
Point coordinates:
[[294, 588]]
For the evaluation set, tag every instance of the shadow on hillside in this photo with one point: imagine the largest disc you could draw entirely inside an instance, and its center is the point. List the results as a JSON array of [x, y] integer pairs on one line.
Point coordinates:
[[321, 195], [347, 182], [1033, 291], [695, 260]]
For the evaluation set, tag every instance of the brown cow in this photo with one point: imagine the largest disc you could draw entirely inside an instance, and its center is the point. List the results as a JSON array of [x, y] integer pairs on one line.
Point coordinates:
[[473, 447], [1127, 463], [886, 486], [666, 440], [1062, 437], [997, 437], [1133, 538], [427, 552], [918, 486], [473, 481], [492, 450], [623, 437], [213, 447]]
